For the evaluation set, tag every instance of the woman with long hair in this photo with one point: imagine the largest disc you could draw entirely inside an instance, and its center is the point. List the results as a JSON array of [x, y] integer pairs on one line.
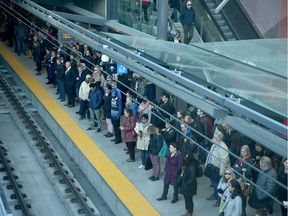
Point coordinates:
[[188, 186], [224, 182], [233, 204], [155, 145], [244, 169], [128, 127]]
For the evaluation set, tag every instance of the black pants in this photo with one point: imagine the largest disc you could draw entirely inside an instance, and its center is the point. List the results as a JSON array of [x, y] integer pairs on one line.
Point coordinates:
[[166, 188], [189, 204], [116, 125], [131, 149], [70, 94]]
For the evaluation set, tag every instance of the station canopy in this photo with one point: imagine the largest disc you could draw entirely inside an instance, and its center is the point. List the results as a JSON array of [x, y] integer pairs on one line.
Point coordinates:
[[254, 70]]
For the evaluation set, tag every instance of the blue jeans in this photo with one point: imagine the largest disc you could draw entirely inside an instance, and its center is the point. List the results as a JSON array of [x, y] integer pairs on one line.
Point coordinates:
[[144, 155], [116, 124], [215, 192], [21, 45], [84, 109], [202, 152], [61, 87]]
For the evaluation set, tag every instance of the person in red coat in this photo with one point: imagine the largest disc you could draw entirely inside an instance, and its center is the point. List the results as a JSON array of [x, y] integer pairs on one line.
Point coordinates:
[[129, 137], [173, 163]]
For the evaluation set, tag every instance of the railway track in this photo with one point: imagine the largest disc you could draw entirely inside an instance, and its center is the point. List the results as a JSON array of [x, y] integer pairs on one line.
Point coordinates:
[[72, 194]]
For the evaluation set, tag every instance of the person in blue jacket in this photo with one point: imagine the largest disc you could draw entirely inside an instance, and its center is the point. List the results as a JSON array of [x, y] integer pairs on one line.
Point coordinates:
[[187, 19], [95, 101]]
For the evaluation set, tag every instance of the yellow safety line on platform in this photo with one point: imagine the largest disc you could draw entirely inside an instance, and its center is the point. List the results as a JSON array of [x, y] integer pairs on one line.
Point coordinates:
[[123, 188]]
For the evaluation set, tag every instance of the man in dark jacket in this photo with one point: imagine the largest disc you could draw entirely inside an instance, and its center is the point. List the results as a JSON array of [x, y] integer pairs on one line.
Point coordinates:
[[185, 143], [116, 110], [187, 19], [70, 78], [95, 101], [167, 105], [60, 77]]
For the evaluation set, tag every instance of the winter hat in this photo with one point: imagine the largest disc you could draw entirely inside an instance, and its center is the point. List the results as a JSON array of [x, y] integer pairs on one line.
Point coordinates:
[[114, 91]]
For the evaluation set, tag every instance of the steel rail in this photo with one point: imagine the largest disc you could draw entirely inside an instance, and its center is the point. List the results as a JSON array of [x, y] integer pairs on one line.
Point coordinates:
[[50, 152], [19, 196]]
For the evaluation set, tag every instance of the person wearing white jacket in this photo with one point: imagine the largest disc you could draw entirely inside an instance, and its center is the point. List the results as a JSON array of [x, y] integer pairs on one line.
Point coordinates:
[[218, 157], [83, 96]]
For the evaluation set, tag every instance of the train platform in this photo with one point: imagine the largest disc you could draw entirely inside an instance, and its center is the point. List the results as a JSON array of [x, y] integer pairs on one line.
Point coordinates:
[[123, 185]]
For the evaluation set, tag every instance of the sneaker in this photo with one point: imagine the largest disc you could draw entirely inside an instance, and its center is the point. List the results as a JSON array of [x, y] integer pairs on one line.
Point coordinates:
[[129, 160], [90, 128], [98, 130], [141, 166]]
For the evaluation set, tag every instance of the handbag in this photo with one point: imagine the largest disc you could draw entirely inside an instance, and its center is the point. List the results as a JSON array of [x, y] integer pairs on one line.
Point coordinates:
[[164, 150], [246, 187], [199, 171], [212, 172], [148, 164]]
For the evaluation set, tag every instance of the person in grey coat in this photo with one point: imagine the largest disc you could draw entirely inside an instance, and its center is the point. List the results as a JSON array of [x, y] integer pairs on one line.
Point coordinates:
[[260, 199]]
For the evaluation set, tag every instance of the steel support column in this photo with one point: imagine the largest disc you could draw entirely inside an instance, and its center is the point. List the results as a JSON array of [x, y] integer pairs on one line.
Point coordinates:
[[112, 10], [162, 17]]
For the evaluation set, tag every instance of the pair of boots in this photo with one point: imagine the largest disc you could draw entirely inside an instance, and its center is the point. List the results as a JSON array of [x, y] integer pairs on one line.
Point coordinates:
[[163, 197]]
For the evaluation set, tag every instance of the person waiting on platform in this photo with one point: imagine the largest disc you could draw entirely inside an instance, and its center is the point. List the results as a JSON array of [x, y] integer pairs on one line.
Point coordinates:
[[173, 164], [233, 204], [107, 110], [70, 78], [188, 182], [60, 77], [143, 138], [95, 101], [128, 126], [187, 19], [132, 105], [155, 145], [83, 98], [218, 157], [116, 110], [224, 182]]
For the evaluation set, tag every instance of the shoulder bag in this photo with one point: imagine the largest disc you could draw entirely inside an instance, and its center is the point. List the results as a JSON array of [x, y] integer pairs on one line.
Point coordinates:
[[212, 172], [164, 150]]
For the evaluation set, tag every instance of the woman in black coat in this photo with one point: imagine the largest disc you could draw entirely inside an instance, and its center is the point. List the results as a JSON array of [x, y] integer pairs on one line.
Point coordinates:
[[188, 184]]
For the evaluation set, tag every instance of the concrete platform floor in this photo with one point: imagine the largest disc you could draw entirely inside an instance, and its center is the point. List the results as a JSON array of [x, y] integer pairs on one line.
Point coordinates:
[[139, 177]]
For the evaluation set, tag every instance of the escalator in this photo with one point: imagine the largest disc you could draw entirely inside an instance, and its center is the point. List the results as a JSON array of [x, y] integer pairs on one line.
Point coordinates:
[[230, 24]]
